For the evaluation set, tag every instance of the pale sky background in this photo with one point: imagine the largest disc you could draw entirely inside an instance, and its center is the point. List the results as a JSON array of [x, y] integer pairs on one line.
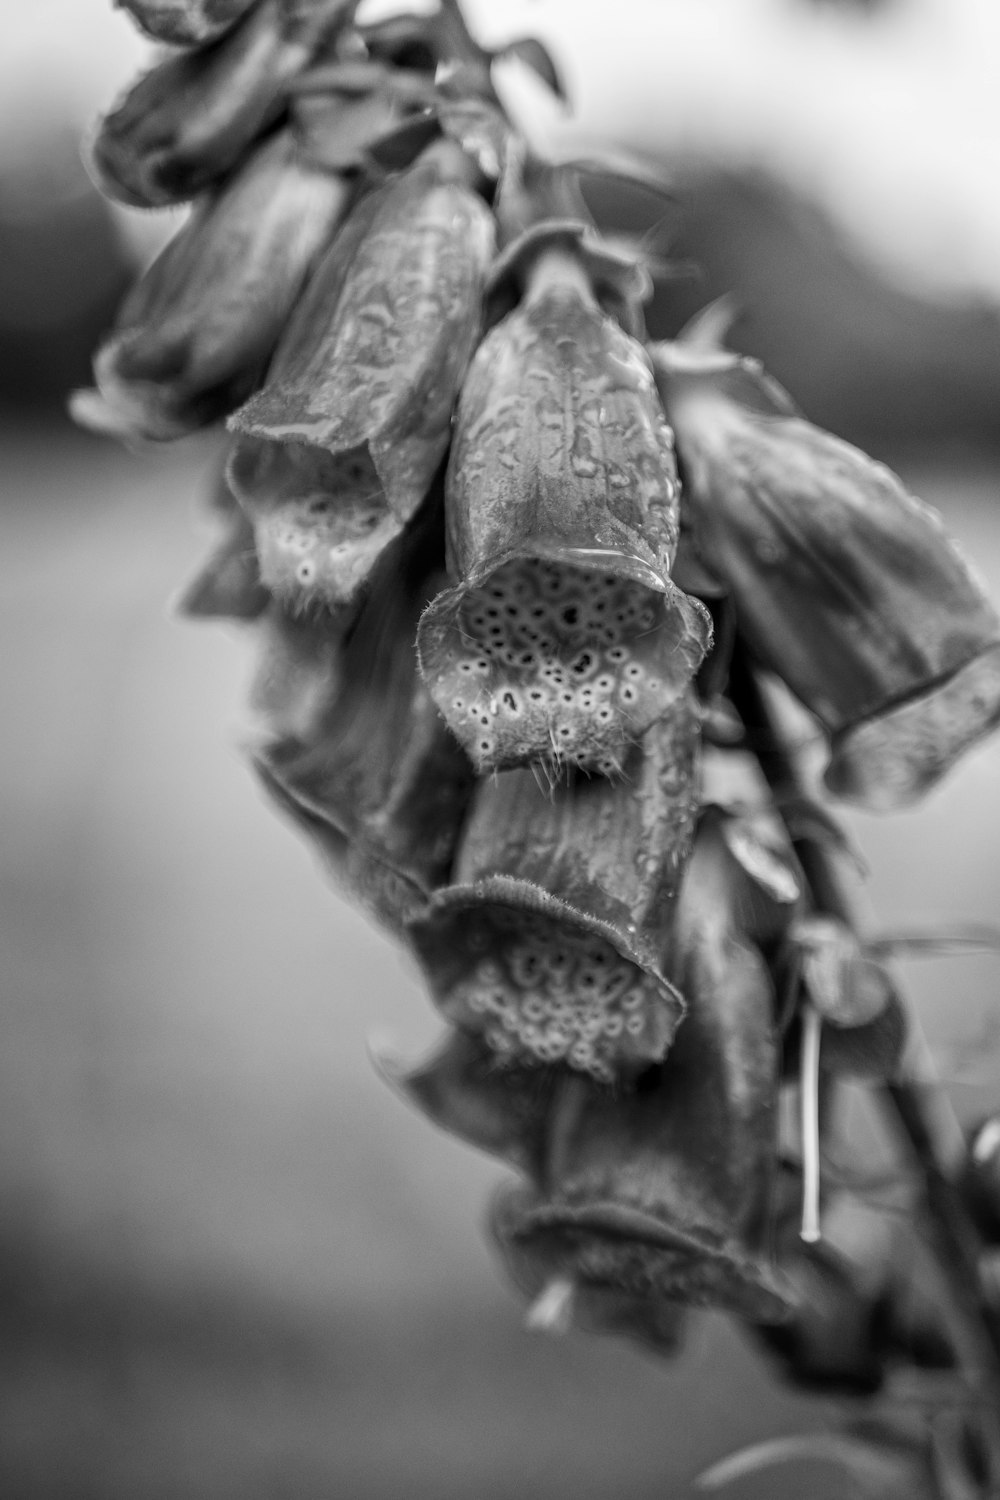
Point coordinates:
[[892, 125]]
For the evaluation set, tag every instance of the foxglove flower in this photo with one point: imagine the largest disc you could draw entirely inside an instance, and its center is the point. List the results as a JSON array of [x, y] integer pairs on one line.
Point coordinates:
[[190, 120], [373, 761], [663, 1192], [194, 335], [844, 585], [514, 1113], [550, 941], [186, 23], [565, 637], [342, 443]]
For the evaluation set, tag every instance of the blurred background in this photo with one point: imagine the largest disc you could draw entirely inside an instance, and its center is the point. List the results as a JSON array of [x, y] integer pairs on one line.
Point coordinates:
[[232, 1263]]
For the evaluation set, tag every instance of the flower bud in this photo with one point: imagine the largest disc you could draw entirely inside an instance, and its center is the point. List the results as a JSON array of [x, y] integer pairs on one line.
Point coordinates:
[[565, 637], [186, 23], [344, 440], [187, 122], [844, 585], [194, 335], [372, 760], [661, 1193], [550, 940]]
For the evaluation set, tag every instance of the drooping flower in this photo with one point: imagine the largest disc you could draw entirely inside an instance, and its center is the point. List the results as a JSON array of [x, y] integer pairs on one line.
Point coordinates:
[[370, 760], [189, 121], [843, 584], [565, 631], [193, 337], [662, 1193], [550, 940], [186, 23], [340, 446]]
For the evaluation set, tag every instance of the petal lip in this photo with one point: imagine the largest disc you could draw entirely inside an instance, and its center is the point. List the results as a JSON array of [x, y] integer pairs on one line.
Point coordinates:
[[448, 962], [892, 759], [676, 1263]]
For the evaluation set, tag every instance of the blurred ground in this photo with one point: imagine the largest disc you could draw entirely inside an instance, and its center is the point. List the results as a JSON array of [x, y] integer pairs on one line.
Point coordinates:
[[231, 1262]]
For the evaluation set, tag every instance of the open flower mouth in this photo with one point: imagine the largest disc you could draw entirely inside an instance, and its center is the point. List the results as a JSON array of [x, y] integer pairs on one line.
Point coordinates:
[[545, 989], [320, 519], [547, 660]]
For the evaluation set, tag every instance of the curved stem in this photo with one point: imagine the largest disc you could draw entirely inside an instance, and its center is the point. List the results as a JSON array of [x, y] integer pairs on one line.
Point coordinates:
[[949, 1231]]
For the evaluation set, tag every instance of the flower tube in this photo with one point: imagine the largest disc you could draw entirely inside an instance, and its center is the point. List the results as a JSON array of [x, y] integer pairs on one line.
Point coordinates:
[[194, 335], [843, 584], [662, 1193], [565, 637], [188, 121], [550, 941], [340, 446]]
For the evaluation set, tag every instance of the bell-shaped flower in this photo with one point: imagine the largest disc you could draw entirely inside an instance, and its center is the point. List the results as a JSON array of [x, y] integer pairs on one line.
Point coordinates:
[[663, 1191], [342, 443], [550, 940], [843, 584], [187, 123], [186, 23], [513, 1113], [565, 637], [193, 337], [370, 757]]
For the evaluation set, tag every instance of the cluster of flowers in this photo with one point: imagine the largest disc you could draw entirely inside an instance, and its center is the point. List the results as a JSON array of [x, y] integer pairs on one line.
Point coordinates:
[[484, 531]]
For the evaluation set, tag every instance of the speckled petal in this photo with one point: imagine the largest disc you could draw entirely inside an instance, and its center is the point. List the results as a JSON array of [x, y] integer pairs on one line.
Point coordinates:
[[565, 630], [550, 941], [375, 354]]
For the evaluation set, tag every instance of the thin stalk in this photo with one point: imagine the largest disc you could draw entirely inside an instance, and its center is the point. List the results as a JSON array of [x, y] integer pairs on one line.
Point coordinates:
[[949, 1231]]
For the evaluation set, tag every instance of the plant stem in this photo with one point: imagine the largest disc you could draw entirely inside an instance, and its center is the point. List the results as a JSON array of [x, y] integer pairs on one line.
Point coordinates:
[[950, 1232]]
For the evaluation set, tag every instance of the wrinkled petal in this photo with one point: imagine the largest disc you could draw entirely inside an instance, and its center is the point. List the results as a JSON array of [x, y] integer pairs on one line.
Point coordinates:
[[662, 1192], [194, 335], [189, 120], [366, 377], [565, 633], [550, 941], [844, 585]]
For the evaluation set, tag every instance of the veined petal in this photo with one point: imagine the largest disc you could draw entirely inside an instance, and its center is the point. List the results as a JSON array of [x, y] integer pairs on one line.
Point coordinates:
[[194, 335], [565, 631], [844, 585], [550, 941], [375, 354]]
